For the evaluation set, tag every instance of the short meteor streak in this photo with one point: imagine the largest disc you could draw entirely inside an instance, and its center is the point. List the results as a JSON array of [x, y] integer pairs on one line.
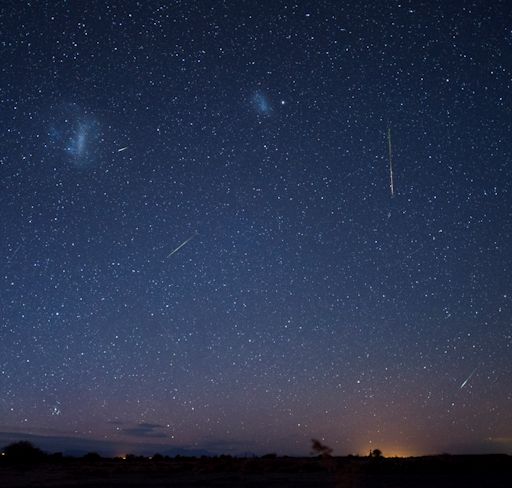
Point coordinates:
[[14, 253], [181, 245], [9, 260], [467, 379], [122, 149], [390, 154]]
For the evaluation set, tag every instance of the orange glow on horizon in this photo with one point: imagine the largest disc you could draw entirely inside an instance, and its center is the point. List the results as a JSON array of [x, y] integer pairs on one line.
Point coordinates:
[[401, 453], [390, 451]]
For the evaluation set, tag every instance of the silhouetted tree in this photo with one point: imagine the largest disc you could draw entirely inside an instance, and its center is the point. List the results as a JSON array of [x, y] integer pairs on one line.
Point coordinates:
[[23, 452], [376, 453], [324, 453], [320, 449]]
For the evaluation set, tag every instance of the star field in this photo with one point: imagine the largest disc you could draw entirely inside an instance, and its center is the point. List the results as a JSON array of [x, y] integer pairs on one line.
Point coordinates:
[[199, 248]]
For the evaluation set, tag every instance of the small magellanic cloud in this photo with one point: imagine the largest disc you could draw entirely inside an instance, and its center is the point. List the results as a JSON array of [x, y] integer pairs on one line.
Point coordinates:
[[261, 103]]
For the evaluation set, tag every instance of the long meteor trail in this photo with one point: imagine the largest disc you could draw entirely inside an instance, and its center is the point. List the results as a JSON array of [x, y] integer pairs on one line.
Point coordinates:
[[390, 154], [181, 245], [464, 383]]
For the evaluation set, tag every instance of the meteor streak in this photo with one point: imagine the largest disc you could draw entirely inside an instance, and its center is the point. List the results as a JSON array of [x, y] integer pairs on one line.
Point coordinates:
[[390, 154], [9, 259], [181, 245], [467, 379], [14, 253], [122, 149]]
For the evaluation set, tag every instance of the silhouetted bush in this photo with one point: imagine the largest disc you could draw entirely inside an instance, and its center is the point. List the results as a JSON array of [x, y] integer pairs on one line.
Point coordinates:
[[92, 457], [56, 458], [23, 452]]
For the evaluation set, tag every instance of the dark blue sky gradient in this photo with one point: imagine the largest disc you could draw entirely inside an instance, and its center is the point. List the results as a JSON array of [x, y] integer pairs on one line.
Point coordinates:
[[309, 302]]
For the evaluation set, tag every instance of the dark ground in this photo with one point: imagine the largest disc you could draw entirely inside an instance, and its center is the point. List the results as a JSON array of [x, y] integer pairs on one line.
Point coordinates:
[[438, 471]]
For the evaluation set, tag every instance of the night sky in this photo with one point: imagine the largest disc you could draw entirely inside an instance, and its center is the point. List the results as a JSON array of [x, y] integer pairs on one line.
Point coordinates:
[[200, 247]]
